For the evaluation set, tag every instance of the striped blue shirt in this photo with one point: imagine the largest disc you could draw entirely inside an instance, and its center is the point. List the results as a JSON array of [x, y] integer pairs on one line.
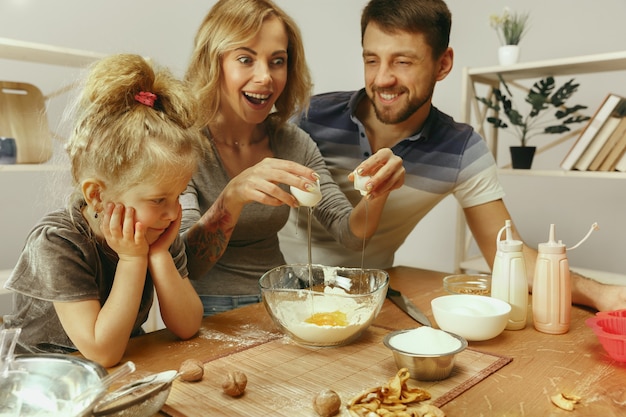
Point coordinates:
[[444, 158]]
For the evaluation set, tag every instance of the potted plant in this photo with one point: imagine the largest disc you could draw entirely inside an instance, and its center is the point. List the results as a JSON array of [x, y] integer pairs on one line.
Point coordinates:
[[510, 28], [543, 98]]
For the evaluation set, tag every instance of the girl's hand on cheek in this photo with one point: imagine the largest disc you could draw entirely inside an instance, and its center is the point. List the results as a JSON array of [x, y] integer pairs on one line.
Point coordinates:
[[166, 239], [122, 234]]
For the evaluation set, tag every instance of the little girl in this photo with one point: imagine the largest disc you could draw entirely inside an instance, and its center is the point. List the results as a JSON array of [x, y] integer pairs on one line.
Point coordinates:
[[87, 275]]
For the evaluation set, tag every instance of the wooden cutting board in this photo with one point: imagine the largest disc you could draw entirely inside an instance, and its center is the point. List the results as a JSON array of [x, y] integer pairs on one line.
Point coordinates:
[[23, 117], [283, 378]]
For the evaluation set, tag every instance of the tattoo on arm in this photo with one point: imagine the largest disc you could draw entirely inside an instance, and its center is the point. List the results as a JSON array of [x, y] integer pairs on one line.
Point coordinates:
[[208, 239]]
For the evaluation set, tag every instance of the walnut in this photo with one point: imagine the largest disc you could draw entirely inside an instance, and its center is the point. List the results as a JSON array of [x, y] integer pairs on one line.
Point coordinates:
[[191, 370], [326, 403], [234, 383]]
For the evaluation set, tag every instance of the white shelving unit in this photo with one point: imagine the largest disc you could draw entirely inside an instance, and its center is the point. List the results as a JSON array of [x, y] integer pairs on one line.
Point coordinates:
[[45, 54], [38, 53], [475, 113], [11, 49]]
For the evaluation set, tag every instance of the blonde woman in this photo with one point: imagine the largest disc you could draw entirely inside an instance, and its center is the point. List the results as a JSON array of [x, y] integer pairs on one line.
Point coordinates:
[[249, 74]]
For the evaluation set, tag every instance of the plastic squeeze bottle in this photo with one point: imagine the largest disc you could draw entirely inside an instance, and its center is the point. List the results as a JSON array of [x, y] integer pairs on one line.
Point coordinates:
[[552, 292], [508, 278]]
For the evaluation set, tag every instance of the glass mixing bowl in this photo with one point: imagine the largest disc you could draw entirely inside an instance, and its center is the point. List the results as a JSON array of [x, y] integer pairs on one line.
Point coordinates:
[[321, 305], [49, 384]]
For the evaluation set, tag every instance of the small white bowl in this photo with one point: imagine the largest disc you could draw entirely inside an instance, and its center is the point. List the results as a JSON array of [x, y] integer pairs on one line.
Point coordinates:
[[474, 317]]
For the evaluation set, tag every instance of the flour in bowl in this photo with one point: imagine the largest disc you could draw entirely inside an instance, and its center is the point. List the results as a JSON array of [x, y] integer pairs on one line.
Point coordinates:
[[334, 303]]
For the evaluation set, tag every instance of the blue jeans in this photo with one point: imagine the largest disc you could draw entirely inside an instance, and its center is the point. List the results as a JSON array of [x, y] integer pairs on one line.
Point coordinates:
[[214, 304]]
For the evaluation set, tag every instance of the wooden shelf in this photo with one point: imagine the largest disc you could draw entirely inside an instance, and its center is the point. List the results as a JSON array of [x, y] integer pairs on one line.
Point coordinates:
[[39, 53], [46, 54], [614, 61], [475, 114], [32, 167], [563, 173]]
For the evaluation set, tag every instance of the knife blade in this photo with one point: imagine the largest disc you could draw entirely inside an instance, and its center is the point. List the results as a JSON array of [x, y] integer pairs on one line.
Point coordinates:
[[407, 306]]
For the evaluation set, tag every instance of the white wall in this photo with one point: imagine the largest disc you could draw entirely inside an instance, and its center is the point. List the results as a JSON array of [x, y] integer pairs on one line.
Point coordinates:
[[164, 31]]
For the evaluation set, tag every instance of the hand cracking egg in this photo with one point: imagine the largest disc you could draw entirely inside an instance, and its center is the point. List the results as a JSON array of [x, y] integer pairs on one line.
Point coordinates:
[[309, 197], [360, 182]]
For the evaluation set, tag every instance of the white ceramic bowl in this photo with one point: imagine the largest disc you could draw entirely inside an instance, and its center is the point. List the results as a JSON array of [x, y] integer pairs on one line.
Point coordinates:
[[343, 302], [474, 317]]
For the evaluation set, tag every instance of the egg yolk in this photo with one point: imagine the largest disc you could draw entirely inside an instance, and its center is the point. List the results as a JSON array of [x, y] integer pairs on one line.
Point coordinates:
[[334, 318]]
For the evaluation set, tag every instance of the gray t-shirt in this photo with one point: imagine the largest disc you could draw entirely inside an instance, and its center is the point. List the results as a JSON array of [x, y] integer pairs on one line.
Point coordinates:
[[62, 261], [254, 248]]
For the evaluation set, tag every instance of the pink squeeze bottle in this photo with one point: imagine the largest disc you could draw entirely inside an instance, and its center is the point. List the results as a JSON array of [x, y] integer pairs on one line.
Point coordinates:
[[552, 291]]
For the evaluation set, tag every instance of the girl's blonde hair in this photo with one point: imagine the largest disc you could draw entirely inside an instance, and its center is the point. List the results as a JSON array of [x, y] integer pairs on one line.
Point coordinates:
[[123, 142], [230, 24]]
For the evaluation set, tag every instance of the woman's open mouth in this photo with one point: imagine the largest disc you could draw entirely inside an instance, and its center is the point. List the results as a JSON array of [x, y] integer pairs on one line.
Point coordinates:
[[256, 98]]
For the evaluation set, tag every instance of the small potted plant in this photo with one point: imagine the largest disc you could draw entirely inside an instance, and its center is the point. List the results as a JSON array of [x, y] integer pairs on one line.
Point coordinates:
[[544, 98], [510, 28]]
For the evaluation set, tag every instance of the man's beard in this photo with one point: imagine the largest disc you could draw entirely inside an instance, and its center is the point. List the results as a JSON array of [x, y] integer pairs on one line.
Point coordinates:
[[391, 117]]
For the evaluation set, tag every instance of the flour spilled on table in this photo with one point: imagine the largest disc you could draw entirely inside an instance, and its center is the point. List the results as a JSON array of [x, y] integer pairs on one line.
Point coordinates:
[[245, 336]]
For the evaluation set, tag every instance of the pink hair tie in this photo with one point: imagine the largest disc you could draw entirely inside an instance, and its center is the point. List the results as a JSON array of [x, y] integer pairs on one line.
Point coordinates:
[[146, 97]]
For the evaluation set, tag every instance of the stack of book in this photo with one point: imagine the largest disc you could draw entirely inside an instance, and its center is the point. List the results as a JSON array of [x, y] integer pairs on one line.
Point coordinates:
[[601, 145]]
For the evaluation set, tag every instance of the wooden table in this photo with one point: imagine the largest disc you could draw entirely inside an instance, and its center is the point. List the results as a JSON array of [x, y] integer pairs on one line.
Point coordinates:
[[542, 365]]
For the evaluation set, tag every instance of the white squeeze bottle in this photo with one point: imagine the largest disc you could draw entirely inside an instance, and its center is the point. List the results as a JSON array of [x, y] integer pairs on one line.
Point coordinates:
[[552, 291], [508, 278]]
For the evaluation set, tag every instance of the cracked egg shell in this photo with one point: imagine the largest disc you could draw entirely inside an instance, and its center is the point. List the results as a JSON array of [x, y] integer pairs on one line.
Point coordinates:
[[360, 183], [308, 198]]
